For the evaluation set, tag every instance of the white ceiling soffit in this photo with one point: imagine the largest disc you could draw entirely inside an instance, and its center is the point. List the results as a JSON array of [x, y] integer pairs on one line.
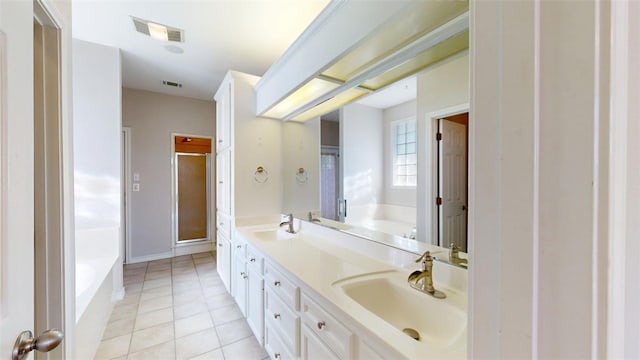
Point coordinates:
[[356, 47], [396, 94], [218, 35]]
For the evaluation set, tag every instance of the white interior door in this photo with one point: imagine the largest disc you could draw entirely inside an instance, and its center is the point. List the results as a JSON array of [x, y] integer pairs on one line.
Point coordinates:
[[31, 230], [453, 184]]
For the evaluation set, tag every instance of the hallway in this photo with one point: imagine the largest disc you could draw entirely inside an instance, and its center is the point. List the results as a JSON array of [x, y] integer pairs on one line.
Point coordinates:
[[177, 309]]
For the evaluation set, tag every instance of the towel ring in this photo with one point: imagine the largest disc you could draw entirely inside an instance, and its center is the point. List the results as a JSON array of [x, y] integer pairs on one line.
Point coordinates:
[[261, 175]]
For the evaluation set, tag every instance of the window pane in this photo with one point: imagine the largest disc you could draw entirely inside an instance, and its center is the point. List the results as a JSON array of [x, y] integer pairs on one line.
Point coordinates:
[[411, 148], [412, 159], [411, 180], [411, 136], [401, 149], [402, 170], [401, 159], [411, 126]]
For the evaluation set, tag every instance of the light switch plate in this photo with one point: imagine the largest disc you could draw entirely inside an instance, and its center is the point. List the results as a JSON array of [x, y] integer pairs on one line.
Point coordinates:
[[136, 177], [136, 187]]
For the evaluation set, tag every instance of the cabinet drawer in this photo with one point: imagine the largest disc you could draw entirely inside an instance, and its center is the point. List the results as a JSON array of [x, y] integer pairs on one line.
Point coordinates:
[[239, 248], [335, 335], [282, 318], [314, 349], [275, 346], [223, 224], [282, 286], [255, 260]]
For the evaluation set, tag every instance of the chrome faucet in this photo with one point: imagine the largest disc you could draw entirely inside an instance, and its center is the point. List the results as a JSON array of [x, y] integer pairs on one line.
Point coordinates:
[[422, 280], [455, 258], [290, 223]]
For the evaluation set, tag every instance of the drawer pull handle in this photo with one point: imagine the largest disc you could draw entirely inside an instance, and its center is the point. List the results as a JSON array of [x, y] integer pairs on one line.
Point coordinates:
[[239, 246], [321, 325], [276, 283], [276, 355], [221, 224], [253, 260], [219, 244], [220, 141], [244, 276], [220, 182], [242, 273], [276, 316]]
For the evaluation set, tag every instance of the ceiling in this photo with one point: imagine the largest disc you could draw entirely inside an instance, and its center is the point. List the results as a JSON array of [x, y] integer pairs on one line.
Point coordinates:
[[394, 94], [243, 35]]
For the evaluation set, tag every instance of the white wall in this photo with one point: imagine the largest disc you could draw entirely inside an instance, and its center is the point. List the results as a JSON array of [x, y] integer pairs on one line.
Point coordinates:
[[257, 142], [361, 146], [301, 148], [440, 87], [539, 144], [96, 142], [395, 195], [152, 118]]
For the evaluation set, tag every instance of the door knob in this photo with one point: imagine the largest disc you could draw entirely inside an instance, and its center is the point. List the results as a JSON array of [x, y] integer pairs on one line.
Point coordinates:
[[25, 343], [464, 207]]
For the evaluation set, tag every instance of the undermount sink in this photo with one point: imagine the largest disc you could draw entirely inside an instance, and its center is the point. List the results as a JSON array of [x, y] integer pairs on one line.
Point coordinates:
[[440, 323], [274, 235]]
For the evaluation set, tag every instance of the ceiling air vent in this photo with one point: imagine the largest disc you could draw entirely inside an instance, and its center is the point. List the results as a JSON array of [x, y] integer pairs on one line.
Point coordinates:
[[171, 83], [158, 31]]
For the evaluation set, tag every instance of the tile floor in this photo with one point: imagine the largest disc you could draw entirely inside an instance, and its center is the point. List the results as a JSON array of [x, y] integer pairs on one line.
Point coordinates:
[[177, 309]]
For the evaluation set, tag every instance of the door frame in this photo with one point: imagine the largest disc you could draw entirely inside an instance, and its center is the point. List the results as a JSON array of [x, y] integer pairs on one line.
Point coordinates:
[[126, 182], [429, 166], [61, 254]]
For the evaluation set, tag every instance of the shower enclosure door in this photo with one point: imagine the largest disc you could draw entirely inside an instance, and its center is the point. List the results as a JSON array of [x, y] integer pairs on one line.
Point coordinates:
[[193, 192]]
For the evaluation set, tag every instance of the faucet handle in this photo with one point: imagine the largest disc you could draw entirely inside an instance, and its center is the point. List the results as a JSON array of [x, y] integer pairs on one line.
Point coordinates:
[[425, 257]]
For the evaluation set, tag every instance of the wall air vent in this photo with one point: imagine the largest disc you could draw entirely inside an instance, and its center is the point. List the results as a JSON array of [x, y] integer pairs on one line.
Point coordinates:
[[158, 31], [171, 83]]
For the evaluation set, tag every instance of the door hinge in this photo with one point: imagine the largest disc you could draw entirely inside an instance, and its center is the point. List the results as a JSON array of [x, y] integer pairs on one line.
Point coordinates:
[[439, 136], [438, 200]]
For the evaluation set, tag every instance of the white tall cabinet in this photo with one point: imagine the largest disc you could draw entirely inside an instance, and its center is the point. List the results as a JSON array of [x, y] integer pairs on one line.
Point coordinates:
[[244, 143]]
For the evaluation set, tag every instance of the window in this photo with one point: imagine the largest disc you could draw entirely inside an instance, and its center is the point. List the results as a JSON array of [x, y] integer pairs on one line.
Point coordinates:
[[405, 162]]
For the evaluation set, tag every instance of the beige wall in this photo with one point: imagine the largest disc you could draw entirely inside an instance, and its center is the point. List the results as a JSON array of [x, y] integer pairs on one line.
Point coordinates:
[[153, 117]]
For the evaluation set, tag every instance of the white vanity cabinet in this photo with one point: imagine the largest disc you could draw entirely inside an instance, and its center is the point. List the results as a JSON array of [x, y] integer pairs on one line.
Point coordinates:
[[282, 320], [326, 330], [224, 99], [223, 182], [239, 277], [223, 260], [255, 293]]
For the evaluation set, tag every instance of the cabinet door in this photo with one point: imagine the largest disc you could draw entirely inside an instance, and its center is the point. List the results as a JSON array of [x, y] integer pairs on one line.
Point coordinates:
[[223, 117], [223, 260], [255, 303], [314, 348], [223, 183], [240, 283]]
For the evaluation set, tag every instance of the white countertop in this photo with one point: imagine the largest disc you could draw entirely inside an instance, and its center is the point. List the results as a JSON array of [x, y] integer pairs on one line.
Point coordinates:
[[319, 264]]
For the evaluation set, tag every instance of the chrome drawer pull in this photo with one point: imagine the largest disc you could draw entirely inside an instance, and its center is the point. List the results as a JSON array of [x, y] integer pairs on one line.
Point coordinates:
[[321, 325], [253, 260], [276, 283], [276, 355], [277, 316]]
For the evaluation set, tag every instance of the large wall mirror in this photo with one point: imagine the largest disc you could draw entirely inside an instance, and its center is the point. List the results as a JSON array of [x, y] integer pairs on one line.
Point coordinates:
[[390, 166]]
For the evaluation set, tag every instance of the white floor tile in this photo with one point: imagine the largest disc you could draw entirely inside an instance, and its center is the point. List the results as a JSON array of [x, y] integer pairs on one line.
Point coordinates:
[[152, 336], [197, 344], [193, 324]]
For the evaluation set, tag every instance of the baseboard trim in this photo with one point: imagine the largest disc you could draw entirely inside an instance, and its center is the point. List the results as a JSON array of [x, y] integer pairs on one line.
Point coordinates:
[[138, 259], [193, 248]]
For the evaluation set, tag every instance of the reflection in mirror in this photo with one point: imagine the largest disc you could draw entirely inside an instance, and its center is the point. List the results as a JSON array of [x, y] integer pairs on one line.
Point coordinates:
[[379, 170]]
